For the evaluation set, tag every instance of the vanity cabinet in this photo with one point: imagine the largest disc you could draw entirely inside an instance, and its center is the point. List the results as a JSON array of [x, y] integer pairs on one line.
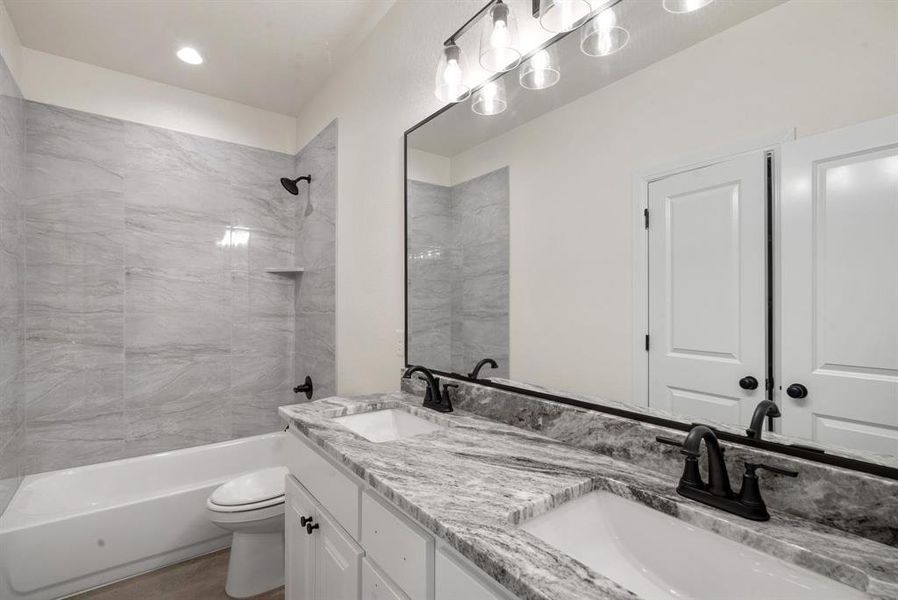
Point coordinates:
[[324, 562], [365, 548]]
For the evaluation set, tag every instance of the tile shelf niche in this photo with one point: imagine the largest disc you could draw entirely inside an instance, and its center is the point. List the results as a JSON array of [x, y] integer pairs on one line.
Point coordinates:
[[287, 271]]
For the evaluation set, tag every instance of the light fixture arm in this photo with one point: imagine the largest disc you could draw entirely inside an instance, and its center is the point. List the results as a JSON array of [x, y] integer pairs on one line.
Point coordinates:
[[451, 40]]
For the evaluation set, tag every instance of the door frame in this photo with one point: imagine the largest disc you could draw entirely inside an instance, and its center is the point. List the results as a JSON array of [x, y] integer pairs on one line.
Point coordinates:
[[639, 239]]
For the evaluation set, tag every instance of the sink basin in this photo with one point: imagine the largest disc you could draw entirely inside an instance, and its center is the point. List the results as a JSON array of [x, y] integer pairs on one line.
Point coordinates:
[[659, 557], [387, 425]]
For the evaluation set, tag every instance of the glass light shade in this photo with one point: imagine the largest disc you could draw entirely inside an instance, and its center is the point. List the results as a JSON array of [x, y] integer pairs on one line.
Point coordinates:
[[490, 99], [449, 85], [499, 40], [558, 16], [540, 71], [684, 6], [602, 36]]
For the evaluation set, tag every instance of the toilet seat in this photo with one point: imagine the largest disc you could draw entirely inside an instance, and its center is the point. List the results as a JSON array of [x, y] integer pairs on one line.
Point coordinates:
[[258, 489]]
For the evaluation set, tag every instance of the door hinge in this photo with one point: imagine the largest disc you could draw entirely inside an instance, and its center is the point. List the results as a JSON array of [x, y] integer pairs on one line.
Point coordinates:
[[646, 342], [645, 214]]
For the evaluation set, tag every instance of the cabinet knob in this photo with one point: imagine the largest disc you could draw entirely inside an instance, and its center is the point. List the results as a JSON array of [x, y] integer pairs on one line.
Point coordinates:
[[304, 520], [311, 527]]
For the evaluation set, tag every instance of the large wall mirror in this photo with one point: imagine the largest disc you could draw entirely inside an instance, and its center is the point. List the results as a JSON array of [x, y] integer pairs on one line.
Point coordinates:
[[684, 221]]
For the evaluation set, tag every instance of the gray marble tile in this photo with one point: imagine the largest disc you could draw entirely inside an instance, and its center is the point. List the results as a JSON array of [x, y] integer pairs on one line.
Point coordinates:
[[259, 373], [175, 400], [153, 150], [258, 413], [261, 295], [262, 335], [266, 207], [199, 331], [176, 289]]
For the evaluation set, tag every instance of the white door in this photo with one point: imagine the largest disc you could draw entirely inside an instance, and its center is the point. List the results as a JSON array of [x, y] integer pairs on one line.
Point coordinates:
[[840, 287], [300, 546], [707, 290], [338, 561]]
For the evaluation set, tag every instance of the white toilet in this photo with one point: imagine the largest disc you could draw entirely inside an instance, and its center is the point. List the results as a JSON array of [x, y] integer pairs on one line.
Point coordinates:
[[252, 506]]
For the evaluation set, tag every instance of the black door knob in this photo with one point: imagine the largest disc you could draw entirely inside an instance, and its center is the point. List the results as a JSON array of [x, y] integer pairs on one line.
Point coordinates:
[[796, 390], [748, 383], [310, 527]]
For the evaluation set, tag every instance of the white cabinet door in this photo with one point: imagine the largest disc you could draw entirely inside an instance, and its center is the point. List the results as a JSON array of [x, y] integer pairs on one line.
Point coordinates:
[[707, 289], [300, 546], [839, 297], [454, 581], [338, 561]]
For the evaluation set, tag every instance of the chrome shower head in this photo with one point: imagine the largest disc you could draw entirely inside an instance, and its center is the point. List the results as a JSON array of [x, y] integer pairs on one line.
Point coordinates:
[[290, 184]]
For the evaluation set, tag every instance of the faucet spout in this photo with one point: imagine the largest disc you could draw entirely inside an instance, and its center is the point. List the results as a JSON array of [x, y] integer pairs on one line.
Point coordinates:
[[433, 398], [718, 479], [765, 408]]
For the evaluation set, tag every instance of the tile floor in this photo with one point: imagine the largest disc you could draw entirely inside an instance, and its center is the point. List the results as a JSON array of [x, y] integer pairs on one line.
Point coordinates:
[[201, 578]]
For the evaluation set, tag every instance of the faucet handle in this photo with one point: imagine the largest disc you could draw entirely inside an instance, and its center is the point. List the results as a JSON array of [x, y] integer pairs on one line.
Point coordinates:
[[750, 469], [669, 441]]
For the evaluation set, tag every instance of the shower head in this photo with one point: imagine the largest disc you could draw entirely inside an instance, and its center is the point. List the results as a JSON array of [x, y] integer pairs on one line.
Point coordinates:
[[290, 184]]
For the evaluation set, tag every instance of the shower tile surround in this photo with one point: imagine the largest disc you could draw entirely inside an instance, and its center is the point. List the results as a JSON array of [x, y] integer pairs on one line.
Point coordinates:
[[150, 323], [12, 285], [851, 501], [458, 272]]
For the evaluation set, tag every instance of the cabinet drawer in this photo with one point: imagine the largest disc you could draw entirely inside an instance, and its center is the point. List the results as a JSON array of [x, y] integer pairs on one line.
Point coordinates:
[[376, 587], [401, 549], [331, 488]]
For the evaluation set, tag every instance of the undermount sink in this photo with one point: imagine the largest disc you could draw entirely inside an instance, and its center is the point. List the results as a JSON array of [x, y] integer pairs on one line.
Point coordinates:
[[659, 557], [387, 425]]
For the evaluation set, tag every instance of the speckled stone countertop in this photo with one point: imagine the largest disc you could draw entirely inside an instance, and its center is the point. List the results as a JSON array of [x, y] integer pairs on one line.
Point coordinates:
[[474, 481]]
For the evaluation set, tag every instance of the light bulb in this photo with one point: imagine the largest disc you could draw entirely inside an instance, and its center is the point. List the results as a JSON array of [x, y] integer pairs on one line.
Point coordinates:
[[538, 71], [558, 16], [449, 85], [498, 40], [602, 36], [490, 99], [679, 7]]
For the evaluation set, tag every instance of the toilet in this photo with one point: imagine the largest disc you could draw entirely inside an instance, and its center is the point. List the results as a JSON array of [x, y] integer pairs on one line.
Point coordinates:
[[252, 507]]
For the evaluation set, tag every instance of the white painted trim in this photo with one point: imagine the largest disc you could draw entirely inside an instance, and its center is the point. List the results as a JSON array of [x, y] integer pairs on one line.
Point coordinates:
[[639, 236]]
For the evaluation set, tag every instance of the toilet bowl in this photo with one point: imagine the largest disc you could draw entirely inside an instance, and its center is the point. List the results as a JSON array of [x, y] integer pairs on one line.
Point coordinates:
[[252, 507]]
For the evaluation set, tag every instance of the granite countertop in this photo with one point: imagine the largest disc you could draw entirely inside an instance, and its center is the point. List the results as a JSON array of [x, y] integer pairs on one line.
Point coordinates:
[[474, 481]]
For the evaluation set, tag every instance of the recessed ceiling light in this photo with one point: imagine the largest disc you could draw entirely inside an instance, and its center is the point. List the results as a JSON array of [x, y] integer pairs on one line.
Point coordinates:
[[190, 56]]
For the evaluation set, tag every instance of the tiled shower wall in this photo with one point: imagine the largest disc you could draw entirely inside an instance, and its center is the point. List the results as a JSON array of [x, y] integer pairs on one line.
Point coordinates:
[[151, 323], [459, 273], [12, 284], [316, 251]]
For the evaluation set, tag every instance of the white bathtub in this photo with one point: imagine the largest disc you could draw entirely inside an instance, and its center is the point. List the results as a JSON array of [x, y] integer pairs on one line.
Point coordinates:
[[75, 529]]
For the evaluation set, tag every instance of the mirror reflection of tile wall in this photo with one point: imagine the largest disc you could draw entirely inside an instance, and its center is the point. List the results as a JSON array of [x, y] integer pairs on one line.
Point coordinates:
[[458, 272]]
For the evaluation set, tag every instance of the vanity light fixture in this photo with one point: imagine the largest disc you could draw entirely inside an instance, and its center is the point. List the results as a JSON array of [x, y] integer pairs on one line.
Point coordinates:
[[559, 16], [498, 39], [602, 36], [450, 85], [679, 7], [490, 98], [190, 55], [540, 71]]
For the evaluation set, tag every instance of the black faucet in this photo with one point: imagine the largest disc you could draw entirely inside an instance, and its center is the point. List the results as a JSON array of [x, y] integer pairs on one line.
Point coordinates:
[[486, 361], [433, 397], [747, 503], [765, 408]]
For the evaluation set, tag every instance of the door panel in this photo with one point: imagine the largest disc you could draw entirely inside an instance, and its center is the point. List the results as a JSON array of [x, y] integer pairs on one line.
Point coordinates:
[[840, 286], [300, 546], [707, 289]]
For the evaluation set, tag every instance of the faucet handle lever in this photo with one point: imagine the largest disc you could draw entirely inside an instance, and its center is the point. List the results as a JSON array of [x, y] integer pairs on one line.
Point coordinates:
[[669, 441], [750, 468]]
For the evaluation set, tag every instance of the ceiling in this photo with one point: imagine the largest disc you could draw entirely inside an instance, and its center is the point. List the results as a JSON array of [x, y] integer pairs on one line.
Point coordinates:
[[271, 54]]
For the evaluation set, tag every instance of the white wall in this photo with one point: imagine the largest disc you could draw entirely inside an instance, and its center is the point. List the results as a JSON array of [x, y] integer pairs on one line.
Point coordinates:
[[429, 167], [810, 65], [72, 84]]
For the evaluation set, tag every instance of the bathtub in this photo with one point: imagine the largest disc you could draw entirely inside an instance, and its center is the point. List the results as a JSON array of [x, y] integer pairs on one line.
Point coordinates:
[[75, 529]]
